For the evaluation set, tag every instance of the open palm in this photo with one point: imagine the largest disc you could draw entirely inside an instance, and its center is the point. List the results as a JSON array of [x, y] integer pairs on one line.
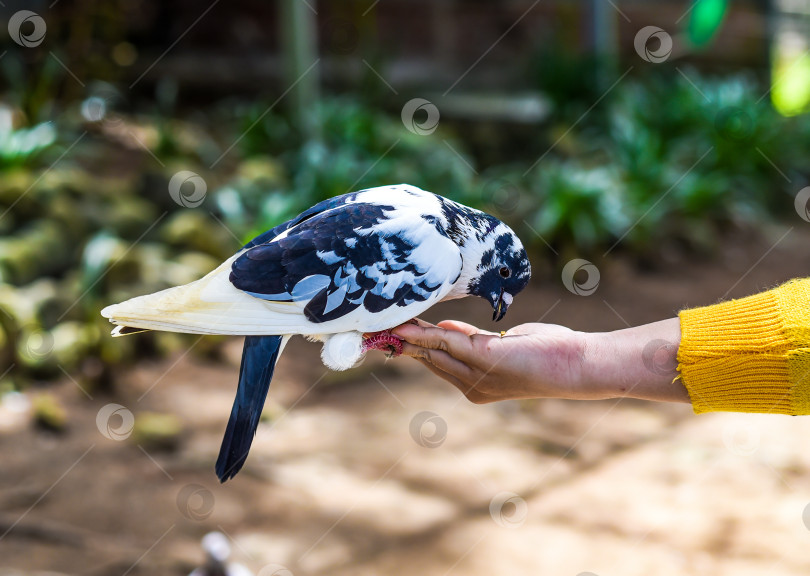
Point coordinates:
[[529, 361]]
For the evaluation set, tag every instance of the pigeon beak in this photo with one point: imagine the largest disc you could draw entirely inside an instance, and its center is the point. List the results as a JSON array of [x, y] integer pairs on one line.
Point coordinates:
[[501, 305]]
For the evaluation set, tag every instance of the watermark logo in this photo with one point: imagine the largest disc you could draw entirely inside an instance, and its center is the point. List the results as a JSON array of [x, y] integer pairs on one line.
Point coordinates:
[[428, 429], [802, 203], [741, 440], [27, 28], [187, 189], [508, 510], [420, 106], [501, 195], [582, 287], [94, 109], [115, 422], [38, 343], [653, 44], [734, 124], [659, 358], [195, 502]]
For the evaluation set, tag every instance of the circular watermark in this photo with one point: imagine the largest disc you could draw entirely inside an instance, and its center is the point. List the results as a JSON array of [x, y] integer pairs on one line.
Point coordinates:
[[428, 429], [38, 343], [195, 502], [653, 44], [659, 357], [348, 349], [187, 189], [806, 516], [501, 196], [741, 440], [802, 203], [94, 109], [734, 124], [115, 422], [339, 36], [582, 287], [27, 28], [420, 106], [275, 570], [102, 106], [508, 510]]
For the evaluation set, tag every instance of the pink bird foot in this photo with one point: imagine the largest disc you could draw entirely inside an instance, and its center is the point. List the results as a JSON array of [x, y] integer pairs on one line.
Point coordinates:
[[384, 341]]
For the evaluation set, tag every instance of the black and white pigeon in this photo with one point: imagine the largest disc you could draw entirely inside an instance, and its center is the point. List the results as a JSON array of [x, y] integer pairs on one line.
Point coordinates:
[[343, 273]]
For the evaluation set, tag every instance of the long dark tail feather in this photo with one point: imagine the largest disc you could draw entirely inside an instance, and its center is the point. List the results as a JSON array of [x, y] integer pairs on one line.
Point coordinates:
[[259, 356]]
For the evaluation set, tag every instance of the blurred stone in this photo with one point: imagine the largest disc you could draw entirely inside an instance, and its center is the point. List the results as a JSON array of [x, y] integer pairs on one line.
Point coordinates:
[[130, 216], [13, 186], [157, 431], [40, 249], [49, 414], [69, 214], [264, 171], [194, 229], [15, 410], [14, 307], [188, 267]]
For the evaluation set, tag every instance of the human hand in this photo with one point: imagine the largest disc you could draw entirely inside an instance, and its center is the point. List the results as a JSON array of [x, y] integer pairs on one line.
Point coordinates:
[[548, 361], [529, 361]]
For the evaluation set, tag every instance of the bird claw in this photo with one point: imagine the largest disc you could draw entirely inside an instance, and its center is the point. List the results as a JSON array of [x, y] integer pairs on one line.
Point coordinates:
[[384, 341]]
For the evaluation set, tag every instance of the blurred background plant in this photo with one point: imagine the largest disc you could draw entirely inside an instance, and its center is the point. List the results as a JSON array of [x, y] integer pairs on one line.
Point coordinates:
[[674, 155], [142, 143]]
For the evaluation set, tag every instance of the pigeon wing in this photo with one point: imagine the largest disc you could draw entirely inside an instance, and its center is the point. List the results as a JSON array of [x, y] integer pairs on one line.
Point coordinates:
[[354, 256]]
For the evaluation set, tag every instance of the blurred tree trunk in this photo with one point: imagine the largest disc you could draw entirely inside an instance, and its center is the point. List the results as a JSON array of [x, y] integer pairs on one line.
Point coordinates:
[[604, 41], [300, 45]]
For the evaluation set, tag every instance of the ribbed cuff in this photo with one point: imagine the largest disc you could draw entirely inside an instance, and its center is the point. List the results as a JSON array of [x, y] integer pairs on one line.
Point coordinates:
[[733, 356]]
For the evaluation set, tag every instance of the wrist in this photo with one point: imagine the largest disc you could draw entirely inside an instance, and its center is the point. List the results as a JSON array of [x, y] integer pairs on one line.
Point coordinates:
[[599, 380], [639, 362]]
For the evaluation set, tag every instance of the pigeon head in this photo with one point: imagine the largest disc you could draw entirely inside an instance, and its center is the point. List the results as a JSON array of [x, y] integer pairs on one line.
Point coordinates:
[[502, 268]]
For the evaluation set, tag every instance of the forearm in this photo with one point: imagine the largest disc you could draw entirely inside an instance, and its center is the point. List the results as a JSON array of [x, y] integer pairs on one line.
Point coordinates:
[[639, 362]]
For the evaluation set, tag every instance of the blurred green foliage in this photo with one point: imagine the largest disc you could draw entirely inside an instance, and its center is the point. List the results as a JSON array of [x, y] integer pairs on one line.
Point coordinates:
[[19, 146], [283, 174], [666, 159], [660, 160]]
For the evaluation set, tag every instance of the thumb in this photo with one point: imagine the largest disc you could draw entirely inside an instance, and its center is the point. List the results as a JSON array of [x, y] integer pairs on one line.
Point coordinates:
[[457, 326]]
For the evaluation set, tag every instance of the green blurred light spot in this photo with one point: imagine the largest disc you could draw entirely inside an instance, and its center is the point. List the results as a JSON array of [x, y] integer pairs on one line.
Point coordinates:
[[790, 90], [705, 20]]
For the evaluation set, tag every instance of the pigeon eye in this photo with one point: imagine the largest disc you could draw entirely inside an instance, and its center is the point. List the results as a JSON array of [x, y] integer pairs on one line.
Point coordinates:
[[505, 272]]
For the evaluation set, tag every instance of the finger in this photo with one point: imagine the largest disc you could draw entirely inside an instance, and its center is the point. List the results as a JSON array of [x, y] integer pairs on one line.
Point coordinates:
[[439, 359], [443, 375], [456, 343], [462, 327], [414, 321]]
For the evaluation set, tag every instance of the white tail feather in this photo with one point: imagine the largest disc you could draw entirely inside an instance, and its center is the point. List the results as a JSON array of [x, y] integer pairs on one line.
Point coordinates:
[[211, 305]]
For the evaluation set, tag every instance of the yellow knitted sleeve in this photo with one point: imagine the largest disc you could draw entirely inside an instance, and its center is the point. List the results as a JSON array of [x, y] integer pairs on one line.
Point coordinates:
[[749, 355]]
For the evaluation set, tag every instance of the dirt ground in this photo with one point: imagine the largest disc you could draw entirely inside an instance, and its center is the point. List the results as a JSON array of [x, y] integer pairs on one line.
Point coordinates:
[[343, 480]]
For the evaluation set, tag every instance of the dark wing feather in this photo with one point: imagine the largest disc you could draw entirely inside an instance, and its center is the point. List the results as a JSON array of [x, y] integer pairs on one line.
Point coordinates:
[[322, 206], [341, 259]]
